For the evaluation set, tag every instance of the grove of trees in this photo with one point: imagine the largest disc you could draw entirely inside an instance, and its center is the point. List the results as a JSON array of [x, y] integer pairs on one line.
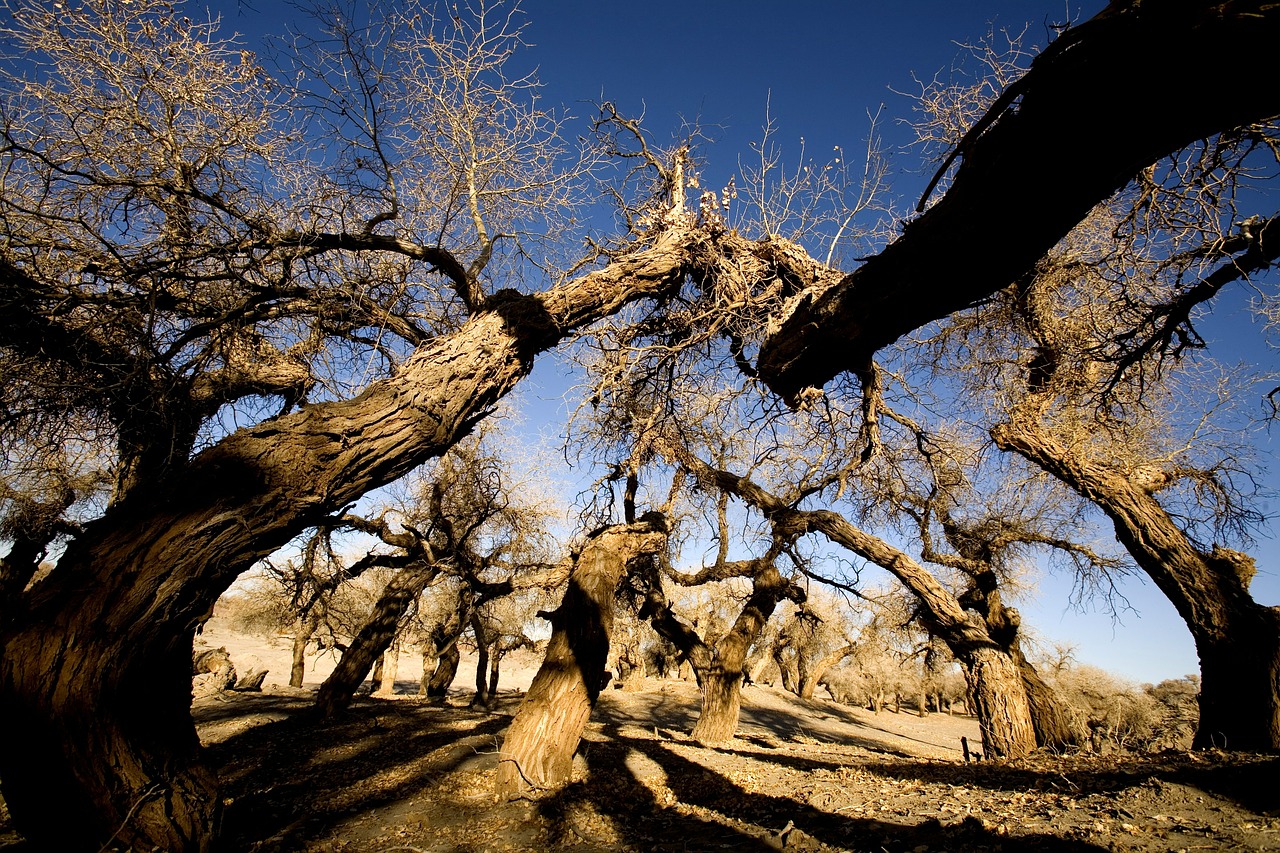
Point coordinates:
[[239, 293]]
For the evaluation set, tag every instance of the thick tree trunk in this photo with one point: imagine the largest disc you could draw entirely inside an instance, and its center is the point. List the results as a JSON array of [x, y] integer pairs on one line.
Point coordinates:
[[386, 685], [373, 639], [1240, 683], [102, 761], [537, 754], [721, 706], [1104, 101], [1000, 703], [107, 745], [446, 671], [1237, 639], [722, 684]]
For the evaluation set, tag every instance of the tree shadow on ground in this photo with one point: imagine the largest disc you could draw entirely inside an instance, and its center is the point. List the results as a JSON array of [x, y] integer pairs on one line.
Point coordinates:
[[716, 813], [296, 779], [1247, 779]]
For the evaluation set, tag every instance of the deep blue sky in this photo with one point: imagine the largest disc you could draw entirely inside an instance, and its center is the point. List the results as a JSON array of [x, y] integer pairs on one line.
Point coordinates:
[[821, 67]]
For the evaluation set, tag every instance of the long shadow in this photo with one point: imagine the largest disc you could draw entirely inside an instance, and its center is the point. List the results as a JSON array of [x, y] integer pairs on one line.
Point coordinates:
[[1249, 781], [674, 712], [290, 781], [766, 822]]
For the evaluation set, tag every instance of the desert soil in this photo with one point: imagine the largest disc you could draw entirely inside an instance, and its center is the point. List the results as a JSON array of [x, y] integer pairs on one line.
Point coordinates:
[[398, 774]]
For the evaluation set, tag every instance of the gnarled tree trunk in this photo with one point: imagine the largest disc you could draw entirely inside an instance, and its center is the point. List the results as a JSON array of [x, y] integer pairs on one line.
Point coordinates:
[[812, 673], [537, 754], [1237, 639], [94, 663], [373, 639], [722, 682], [1000, 702]]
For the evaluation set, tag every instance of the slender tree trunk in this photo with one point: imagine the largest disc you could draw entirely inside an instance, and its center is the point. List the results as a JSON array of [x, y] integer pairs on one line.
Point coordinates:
[[816, 671], [373, 638], [495, 661], [1000, 702], [537, 754], [481, 696], [375, 677], [786, 671], [304, 629]]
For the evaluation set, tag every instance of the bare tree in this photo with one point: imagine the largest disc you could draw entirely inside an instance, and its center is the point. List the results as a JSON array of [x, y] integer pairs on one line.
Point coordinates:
[[537, 753], [171, 255]]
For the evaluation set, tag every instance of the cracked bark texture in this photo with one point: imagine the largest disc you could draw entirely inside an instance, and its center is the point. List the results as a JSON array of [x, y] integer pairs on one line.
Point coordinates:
[[537, 753], [1104, 101]]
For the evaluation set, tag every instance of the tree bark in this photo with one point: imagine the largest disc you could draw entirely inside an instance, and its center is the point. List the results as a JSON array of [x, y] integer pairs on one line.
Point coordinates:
[[1057, 726], [537, 754], [814, 673], [1104, 101], [1000, 703], [390, 669], [373, 639], [722, 683], [123, 602], [1237, 639], [495, 663], [303, 630], [446, 671], [481, 696]]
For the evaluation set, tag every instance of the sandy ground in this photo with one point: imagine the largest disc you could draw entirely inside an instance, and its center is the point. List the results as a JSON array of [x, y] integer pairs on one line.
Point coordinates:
[[400, 774]]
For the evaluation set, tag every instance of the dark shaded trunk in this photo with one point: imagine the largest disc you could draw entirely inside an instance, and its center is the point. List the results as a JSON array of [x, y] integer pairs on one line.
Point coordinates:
[[1240, 683], [1237, 639], [537, 754], [445, 672], [103, 761], [495, 662], [481, 697], [1102, 102], [373, 639]]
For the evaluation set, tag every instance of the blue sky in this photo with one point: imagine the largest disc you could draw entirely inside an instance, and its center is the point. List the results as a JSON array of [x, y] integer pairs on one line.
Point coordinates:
[[820, 67]]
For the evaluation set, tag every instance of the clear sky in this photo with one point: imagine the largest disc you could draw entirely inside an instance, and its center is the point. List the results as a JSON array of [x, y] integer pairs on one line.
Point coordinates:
[[821, 67]]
